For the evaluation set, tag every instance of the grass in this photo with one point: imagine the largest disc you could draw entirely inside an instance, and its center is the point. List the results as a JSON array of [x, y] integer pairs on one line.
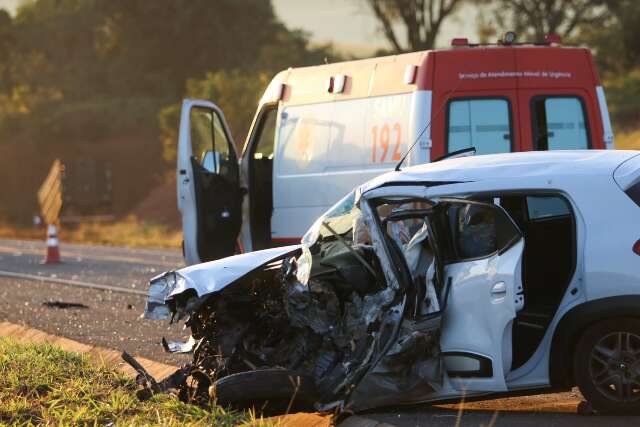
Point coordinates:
[[42, 384], [128, 232]]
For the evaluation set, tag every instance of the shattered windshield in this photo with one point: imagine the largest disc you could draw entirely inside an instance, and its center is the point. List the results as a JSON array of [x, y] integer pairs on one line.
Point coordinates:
[[337, 230], [341, 218]]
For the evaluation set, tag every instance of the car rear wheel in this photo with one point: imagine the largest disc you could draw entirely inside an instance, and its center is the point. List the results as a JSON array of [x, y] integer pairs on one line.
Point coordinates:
[[607, 365]]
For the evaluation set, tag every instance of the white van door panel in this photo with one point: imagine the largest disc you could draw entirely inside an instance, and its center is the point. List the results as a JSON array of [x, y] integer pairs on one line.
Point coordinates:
[[484, 298], [299, 180], [207, 182], [326, 149]]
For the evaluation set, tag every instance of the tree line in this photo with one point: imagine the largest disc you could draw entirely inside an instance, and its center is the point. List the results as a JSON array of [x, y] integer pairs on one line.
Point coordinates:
[[82, 78], [611, 28]]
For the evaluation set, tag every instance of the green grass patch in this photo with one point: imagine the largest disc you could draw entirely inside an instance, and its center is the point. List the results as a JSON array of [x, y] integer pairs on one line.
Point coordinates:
[[42, 384]]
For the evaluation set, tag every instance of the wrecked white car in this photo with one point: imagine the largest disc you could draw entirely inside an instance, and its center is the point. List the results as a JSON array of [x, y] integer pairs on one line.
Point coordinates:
[[472, 276]]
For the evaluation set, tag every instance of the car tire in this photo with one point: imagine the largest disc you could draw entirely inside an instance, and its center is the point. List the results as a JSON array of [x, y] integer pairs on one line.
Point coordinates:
[[268, 391], [607, 365]]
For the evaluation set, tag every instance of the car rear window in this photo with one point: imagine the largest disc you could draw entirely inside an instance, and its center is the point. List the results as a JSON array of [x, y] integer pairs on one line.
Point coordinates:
[[543, 207], [634, 193]]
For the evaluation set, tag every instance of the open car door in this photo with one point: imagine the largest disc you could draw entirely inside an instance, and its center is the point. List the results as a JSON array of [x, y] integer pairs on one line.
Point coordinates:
[[209, 195], [482, 254]]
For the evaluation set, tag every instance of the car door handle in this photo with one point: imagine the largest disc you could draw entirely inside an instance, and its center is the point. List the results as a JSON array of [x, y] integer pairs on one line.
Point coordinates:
[[499, 289]]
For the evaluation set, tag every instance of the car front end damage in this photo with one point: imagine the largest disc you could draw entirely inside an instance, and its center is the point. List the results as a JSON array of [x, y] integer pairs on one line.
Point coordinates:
[[335, 312]]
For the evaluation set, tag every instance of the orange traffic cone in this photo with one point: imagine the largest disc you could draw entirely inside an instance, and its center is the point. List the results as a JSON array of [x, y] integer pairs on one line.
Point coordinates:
[[53, 251]]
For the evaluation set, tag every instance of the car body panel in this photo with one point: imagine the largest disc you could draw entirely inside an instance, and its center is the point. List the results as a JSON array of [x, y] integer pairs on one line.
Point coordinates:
[[483, 302]]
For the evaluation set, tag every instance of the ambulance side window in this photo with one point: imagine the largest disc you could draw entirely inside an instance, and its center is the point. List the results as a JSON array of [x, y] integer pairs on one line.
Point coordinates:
[[559, 123], [483, 123], [266, 135], [210, 145]]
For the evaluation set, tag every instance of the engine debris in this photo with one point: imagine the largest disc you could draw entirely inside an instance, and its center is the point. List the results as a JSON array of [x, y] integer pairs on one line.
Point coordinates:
[[332, 314]]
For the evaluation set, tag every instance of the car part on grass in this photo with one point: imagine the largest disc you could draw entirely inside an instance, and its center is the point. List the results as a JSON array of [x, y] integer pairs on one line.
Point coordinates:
[[150, 386]]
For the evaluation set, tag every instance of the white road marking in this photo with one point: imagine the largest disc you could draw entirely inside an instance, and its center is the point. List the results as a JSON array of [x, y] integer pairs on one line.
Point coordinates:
[[70, 282]]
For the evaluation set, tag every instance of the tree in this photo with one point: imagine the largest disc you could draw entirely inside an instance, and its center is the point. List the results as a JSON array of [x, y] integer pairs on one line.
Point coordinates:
[[77, 76], [421, 19], [534, 19], [236, 93], [616, 41]]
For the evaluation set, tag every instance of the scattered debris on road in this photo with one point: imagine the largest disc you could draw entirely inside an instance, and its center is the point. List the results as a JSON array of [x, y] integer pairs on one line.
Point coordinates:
[[64, 305]]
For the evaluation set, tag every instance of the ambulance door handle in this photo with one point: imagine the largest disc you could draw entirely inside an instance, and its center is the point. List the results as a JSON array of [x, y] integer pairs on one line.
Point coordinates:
[[183, 172]]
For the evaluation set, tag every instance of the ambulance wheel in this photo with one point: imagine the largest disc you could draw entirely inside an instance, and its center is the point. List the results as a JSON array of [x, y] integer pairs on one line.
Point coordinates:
[[607, 365]]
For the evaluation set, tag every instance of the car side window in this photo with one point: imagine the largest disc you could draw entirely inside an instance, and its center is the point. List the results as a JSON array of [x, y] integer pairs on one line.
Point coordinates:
[[559, 123], [479, 230], [211, 148], [481, 123], [544, 207]]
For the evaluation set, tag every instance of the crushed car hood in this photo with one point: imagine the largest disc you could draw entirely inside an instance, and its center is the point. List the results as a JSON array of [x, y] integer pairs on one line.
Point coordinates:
[[207, 278], [215, 275]]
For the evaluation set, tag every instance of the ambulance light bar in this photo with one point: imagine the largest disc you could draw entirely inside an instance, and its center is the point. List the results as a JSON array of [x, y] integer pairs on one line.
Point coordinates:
[[553, 39], [337, 83], [459, 42]]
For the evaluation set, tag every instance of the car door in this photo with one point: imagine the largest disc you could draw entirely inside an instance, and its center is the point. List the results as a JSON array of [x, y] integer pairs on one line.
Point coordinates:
[[482, 268], [209, 195]]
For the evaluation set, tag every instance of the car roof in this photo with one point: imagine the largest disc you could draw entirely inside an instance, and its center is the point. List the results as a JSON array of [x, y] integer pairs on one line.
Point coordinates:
[[533, 164]]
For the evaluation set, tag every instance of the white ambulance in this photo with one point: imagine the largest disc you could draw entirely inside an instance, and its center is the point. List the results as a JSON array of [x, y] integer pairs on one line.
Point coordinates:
[[320, 131]]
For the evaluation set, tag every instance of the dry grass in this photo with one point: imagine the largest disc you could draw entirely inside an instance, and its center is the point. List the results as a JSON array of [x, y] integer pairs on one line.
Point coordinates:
[[129, 232], [44, 385], [628, 140]]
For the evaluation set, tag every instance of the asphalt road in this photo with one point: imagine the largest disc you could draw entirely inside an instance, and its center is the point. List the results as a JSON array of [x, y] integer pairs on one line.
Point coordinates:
[[31, 293], [112, 319], [109, 266]]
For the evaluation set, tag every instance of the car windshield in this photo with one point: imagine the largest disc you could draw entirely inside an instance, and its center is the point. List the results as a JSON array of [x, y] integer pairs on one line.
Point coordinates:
[[344, 219]]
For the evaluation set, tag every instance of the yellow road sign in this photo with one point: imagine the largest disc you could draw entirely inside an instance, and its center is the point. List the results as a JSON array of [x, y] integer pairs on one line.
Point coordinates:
[[50, 194]]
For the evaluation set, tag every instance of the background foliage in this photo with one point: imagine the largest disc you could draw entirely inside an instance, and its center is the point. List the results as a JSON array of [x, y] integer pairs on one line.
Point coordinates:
[[94, 78], [104, 78]]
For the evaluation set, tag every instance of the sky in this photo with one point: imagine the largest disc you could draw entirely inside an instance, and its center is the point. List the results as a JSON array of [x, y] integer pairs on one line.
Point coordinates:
[[349, 24]]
